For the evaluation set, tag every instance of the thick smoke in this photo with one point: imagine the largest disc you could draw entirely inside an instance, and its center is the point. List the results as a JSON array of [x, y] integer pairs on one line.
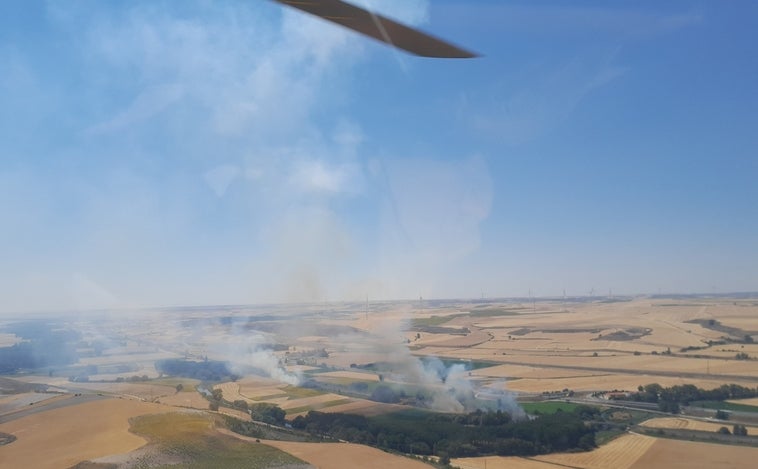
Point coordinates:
[[449, 386], [246, 350]]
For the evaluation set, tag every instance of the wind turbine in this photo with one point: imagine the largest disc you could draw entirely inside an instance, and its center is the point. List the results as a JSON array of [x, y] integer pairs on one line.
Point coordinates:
[[380, 28]]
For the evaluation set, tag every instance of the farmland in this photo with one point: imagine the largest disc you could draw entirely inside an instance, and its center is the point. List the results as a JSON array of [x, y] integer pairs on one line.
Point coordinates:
[[451, 356]]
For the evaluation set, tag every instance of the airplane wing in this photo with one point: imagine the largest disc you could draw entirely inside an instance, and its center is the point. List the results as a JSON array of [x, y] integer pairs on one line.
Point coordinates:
[[380, 28]]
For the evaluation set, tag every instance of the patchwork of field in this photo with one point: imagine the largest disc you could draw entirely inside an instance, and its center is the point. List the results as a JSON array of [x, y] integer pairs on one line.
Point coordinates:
[[65, 436], [596, 346], [360, 407], [298, 401]]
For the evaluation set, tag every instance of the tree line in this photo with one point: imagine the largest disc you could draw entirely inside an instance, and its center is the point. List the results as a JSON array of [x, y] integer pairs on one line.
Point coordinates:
[[670, 398], [458, 435], [207, 370], [43, 346]]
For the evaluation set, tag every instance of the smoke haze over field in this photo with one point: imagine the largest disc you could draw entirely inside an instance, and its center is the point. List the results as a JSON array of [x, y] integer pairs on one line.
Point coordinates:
[[157, 153]]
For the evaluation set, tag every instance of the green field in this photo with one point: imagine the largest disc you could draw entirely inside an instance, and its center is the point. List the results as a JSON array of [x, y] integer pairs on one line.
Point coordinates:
[[191, 438], [295, 392], [723, 405], [495, 312], [548, 407]]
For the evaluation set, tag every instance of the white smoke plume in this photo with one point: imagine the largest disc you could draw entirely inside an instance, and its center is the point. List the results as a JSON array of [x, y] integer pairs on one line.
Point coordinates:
[[450, 386]]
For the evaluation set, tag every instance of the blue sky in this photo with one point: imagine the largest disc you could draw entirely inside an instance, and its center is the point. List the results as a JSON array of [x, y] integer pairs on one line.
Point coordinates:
[[170, 153]]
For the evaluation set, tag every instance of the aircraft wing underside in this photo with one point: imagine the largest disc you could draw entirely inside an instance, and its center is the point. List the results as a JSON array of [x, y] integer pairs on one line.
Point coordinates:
[[380, 28]]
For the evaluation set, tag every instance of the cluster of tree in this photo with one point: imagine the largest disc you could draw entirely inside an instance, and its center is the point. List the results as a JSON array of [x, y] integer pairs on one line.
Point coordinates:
[[267, 413], [241, 405], [669, 399], [133, 379], [243, 428], [216, 397], [45, 345], [207, 370], [458, 435], [737, 429]]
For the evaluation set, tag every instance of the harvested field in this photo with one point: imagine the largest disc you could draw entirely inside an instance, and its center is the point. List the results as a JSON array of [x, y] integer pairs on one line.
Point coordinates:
[[256, 388], [676, 454], [499, 462], [292, 399], [68, 438], [358, 407], [680, 423], [603, 382], [191, 400], [311, 401], [146, 391], [251, 393], [351, 375], [474, 338], [522, 371], [345, 455], [620, 453]]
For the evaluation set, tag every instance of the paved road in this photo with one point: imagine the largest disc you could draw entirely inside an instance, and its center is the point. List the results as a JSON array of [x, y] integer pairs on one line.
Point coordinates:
[[50, 404]]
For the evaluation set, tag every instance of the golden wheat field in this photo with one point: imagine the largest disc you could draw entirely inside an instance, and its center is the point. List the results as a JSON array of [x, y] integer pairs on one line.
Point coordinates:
[[689, 424], [676, 454], [345, 456], [65, 436], [630, 451], [620, 453]]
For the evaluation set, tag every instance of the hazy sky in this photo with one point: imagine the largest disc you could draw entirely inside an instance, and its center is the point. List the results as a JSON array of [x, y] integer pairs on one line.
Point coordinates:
[[205, 152]]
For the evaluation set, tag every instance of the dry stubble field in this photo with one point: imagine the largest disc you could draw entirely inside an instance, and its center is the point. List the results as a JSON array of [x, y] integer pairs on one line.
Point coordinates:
[[63, 437], [631, 451]]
